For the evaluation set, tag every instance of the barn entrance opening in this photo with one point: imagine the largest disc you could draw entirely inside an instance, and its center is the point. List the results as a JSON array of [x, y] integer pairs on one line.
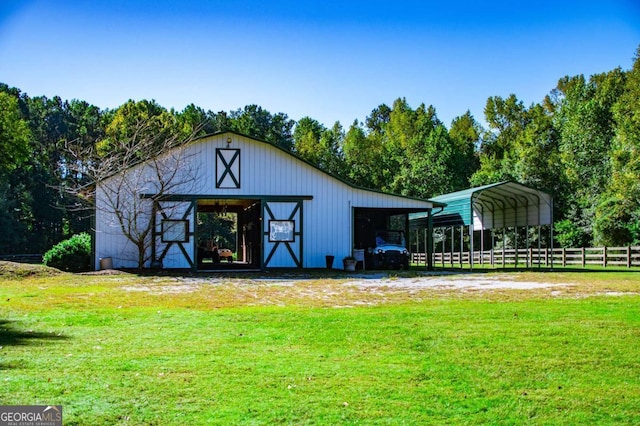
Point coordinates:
[[381, 234], [228, 234]]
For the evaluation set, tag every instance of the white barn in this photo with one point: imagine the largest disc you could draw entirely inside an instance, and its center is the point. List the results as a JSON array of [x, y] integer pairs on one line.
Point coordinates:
[[289, 213]]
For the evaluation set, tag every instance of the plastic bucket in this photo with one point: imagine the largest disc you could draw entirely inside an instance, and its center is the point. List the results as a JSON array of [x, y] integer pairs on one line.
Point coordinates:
[[106, 263]]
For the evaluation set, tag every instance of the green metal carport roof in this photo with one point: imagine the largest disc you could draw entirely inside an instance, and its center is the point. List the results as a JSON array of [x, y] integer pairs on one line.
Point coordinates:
[[499, 205]]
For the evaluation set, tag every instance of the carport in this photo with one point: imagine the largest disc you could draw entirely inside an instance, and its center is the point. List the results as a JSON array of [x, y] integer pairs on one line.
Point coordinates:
[[473, 217]]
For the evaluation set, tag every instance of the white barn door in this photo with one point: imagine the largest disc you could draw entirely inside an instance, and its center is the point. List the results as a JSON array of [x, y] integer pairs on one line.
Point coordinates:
[[282, 234], [174, 236]]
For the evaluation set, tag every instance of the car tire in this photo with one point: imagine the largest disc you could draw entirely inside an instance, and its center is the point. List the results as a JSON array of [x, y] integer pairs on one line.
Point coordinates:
[[375, 264]]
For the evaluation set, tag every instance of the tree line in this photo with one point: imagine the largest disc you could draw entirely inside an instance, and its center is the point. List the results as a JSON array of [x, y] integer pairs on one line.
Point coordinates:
[[581, 143]]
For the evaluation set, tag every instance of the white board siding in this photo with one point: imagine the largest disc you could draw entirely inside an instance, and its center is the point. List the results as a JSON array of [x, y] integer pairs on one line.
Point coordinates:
[[111, 242], [266, 171]]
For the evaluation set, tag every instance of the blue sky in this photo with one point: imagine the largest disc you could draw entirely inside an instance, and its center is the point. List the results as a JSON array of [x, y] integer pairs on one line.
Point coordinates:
[[330, 60]]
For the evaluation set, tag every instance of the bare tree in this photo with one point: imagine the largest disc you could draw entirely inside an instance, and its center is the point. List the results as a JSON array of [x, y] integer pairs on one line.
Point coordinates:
[[126, 178]]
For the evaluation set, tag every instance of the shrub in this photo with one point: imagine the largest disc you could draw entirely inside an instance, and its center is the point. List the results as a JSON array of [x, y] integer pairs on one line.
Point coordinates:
[[570, 235], [72, 255], [614, 223]]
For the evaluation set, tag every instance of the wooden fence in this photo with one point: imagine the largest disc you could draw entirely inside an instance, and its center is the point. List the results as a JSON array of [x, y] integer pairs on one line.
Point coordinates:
[[534, 257], [22, 258]]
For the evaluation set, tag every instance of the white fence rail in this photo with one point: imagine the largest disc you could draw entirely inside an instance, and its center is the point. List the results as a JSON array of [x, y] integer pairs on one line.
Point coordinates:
[[534, 257]]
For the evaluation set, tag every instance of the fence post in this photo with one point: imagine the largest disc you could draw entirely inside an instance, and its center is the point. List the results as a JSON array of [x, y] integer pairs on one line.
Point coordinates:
[[628, 256], [564, 256], [546, 256], [461, 244], [453, 241], [504, 232], [444, 241], [604, 256], [584, 260]]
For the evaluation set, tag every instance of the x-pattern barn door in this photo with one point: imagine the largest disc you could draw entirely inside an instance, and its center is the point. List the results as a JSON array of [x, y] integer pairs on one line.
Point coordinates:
[[174, 232], [282, 234]]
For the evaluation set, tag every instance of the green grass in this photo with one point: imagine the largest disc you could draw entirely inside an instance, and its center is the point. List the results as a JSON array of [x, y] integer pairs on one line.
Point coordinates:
[[240, 351]]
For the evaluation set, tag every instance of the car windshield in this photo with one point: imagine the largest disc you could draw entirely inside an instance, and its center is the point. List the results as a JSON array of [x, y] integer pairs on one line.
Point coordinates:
[[394, 238]]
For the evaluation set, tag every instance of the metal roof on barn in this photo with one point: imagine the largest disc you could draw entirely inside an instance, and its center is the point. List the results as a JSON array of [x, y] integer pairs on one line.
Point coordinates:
[[498, 205]]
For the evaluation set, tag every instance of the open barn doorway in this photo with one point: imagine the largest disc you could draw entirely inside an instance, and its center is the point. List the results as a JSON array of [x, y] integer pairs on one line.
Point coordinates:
[[228, 234], [381, 236]]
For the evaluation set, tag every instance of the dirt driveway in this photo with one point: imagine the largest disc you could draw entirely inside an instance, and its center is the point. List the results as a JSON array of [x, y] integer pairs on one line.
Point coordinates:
[[344, 290], [449, 281]]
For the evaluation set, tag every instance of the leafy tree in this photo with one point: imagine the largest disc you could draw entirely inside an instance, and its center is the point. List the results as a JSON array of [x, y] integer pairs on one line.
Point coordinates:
[[584, 117], [306, 139], [221, 226], [142, 152], [507, 119], [13, 238], [464, 134], [14, 145], [259, 123], [568, 234], [14, 134], [55, 123], [418, 152], [320, 146], [394, 132], [378, 119], [535, 155], [409, 151], [617, 217], [426, 173], [406, 148], [363, 157], [193, 118], [332, 154], [38, 215], [136, 121]]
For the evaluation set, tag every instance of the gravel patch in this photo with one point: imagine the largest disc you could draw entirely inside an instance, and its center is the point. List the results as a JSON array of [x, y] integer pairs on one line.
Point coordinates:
[[376, 282], [163, 289], [468, 282]]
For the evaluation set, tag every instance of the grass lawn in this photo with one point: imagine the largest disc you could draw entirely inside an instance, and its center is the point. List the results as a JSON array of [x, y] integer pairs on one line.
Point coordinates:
[[310, 349]]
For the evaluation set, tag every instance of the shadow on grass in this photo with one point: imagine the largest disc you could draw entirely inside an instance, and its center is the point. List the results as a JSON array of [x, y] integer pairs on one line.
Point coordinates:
[[11, 335]]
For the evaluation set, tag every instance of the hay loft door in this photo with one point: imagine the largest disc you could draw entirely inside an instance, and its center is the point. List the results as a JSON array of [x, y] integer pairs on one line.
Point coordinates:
[[282, 234]]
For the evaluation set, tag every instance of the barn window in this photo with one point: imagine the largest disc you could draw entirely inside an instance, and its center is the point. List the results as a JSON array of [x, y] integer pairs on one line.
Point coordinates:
[[282, 231]]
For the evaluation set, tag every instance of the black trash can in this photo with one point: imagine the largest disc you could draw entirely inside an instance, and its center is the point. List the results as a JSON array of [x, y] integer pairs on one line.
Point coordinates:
[[329, 260]]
